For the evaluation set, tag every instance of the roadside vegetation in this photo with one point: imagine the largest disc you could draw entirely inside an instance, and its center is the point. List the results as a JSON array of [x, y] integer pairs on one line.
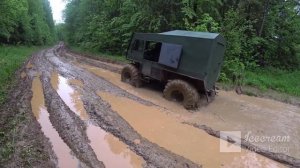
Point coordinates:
[[274, 79], [26, 26], [262, 36], [11, 59], [93, 53], [271, 78]]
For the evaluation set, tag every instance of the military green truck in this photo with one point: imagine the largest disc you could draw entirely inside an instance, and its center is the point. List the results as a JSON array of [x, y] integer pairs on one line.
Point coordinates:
[[187, 62]]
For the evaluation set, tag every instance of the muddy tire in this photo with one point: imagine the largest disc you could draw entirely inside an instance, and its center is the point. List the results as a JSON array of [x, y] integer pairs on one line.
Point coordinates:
[[183, 92], [130, 74]]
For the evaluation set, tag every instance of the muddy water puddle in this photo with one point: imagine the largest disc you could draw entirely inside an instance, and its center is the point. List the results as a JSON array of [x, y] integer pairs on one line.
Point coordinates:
[[68, 94], [62, 151], [182, 139], [109, 149], [76, 82], [114, 78]]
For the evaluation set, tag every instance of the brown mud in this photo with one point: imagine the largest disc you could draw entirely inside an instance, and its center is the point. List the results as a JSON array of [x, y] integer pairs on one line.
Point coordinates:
[[282, 158], [229, 112], [105, 64], [120, 143], [23, 75], [108, 148], [167, 132], [126, 126], [213, 116]]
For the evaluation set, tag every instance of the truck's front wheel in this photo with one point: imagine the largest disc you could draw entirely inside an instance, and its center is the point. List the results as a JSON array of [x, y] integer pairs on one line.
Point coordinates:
[[131, 75], [183, 92]]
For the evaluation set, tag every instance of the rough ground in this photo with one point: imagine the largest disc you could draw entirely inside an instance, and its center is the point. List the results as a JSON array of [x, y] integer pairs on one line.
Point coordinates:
[[33, 149]]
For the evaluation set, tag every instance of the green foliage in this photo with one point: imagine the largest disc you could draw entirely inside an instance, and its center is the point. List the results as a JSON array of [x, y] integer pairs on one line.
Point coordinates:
[[59, 30], [279, 80], [108, 25], [280, 36], [239, 47], [26, 22], [98, 54], [205, 24], [11, 58], [233, 71], [259, 33]]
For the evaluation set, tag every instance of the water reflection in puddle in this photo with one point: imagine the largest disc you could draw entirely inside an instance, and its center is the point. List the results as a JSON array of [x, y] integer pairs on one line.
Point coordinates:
[[69, 95], [62, 151], [109, 149]]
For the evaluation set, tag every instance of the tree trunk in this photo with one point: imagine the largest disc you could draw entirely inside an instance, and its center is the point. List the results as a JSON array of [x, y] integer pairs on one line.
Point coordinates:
[[265, 14]]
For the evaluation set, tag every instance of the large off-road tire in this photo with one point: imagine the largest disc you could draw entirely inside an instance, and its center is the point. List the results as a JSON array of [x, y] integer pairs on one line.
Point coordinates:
[[183, 92], [130, 74]]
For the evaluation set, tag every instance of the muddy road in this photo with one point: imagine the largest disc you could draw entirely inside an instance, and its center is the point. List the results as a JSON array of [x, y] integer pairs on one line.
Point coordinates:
[[86, 117]]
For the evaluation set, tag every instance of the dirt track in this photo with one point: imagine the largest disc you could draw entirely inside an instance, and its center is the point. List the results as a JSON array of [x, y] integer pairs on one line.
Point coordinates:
[[91, 119]]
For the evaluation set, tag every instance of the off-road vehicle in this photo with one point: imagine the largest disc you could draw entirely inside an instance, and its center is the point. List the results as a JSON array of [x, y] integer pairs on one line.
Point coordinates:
[[187, 62]]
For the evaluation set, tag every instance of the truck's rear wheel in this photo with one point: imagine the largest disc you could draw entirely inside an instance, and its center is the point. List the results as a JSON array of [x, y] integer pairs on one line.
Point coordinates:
[[183, 92], [131, 75]]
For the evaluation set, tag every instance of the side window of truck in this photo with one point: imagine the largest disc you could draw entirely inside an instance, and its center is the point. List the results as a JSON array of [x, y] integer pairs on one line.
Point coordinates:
[[138, 45], [152, 51]]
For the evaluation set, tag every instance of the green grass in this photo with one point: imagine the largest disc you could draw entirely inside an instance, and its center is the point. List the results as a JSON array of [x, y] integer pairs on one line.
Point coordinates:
[[11, 58], [119, 58], [278, 80]]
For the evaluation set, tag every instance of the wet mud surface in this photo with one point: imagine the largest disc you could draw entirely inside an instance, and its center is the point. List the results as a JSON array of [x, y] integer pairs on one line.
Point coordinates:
[[108, 148], [61, 150], [230, 112], [160, 128], [90, 133], [84, 116]]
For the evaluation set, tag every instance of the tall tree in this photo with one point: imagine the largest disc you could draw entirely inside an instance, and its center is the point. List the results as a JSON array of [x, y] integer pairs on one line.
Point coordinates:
[[258, 32], [26, 21]]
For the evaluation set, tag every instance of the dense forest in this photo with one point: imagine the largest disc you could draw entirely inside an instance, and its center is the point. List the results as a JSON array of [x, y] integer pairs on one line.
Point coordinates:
[[27, 22], [259, 33], [263, 36]]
